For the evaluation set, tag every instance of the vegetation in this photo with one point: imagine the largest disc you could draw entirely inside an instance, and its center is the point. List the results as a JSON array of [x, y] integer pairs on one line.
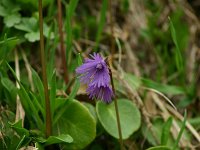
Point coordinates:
[[152, 48]]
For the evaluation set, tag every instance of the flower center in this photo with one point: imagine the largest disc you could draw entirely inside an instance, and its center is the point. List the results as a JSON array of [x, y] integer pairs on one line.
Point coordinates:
[[99, 66]]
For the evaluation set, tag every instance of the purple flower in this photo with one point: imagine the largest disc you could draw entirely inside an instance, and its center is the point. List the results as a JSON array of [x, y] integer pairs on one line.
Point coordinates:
[[95, 73], [103, 93]]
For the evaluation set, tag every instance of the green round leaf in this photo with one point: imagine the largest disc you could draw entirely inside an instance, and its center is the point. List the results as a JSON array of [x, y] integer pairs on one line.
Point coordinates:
[[78, 122], [91, 109], [130, 118]]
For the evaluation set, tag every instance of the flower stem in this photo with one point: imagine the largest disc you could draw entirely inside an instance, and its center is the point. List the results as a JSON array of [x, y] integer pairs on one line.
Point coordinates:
[[117, 113], [60, 27], [118, 124], [112, 54], [44, 75]]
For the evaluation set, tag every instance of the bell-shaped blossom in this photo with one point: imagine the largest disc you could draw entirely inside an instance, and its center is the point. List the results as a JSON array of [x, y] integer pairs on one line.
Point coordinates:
[[103, 93], [95, 73]]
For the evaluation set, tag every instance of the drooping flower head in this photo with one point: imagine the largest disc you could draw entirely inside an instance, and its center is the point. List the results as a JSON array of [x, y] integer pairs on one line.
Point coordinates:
[[103, 93], [95, 73]]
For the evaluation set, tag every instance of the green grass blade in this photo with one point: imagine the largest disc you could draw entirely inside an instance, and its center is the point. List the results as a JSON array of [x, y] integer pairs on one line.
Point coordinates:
[[101, 22], [166, 131], [51, 59], [75, 89], [79, 59], [72, 7], [27, 103], [164, 88], [178, 56], [53, 93], [181, 131], [37, 104], [20, 142], [8, 39], [69, 13], [30, 107], [39, 86], [69, 37]]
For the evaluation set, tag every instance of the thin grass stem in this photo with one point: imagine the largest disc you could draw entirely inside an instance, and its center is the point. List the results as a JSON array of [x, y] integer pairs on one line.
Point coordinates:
[[60, 27], [44, 75]]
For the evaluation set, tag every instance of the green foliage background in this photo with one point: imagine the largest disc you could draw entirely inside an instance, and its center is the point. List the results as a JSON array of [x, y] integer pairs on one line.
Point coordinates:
[[155, 67]]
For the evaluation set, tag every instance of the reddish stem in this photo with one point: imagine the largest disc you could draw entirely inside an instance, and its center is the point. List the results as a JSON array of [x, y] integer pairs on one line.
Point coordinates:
[[60, 27], [44, 75]]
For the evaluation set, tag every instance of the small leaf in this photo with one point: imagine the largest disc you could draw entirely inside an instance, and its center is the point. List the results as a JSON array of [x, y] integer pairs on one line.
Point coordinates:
[[159, 148], [79, 59], [9, 85], [30, 25], [7, 45], [27, 24], [130, 118], [32, 36], [17, 126], [8, 8], [39, 146], [63, 138], [12, 19], [47, 32]]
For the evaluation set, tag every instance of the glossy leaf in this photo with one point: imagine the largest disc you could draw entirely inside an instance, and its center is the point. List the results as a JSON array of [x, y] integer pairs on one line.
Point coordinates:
[[130, 117], [78, 123]]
